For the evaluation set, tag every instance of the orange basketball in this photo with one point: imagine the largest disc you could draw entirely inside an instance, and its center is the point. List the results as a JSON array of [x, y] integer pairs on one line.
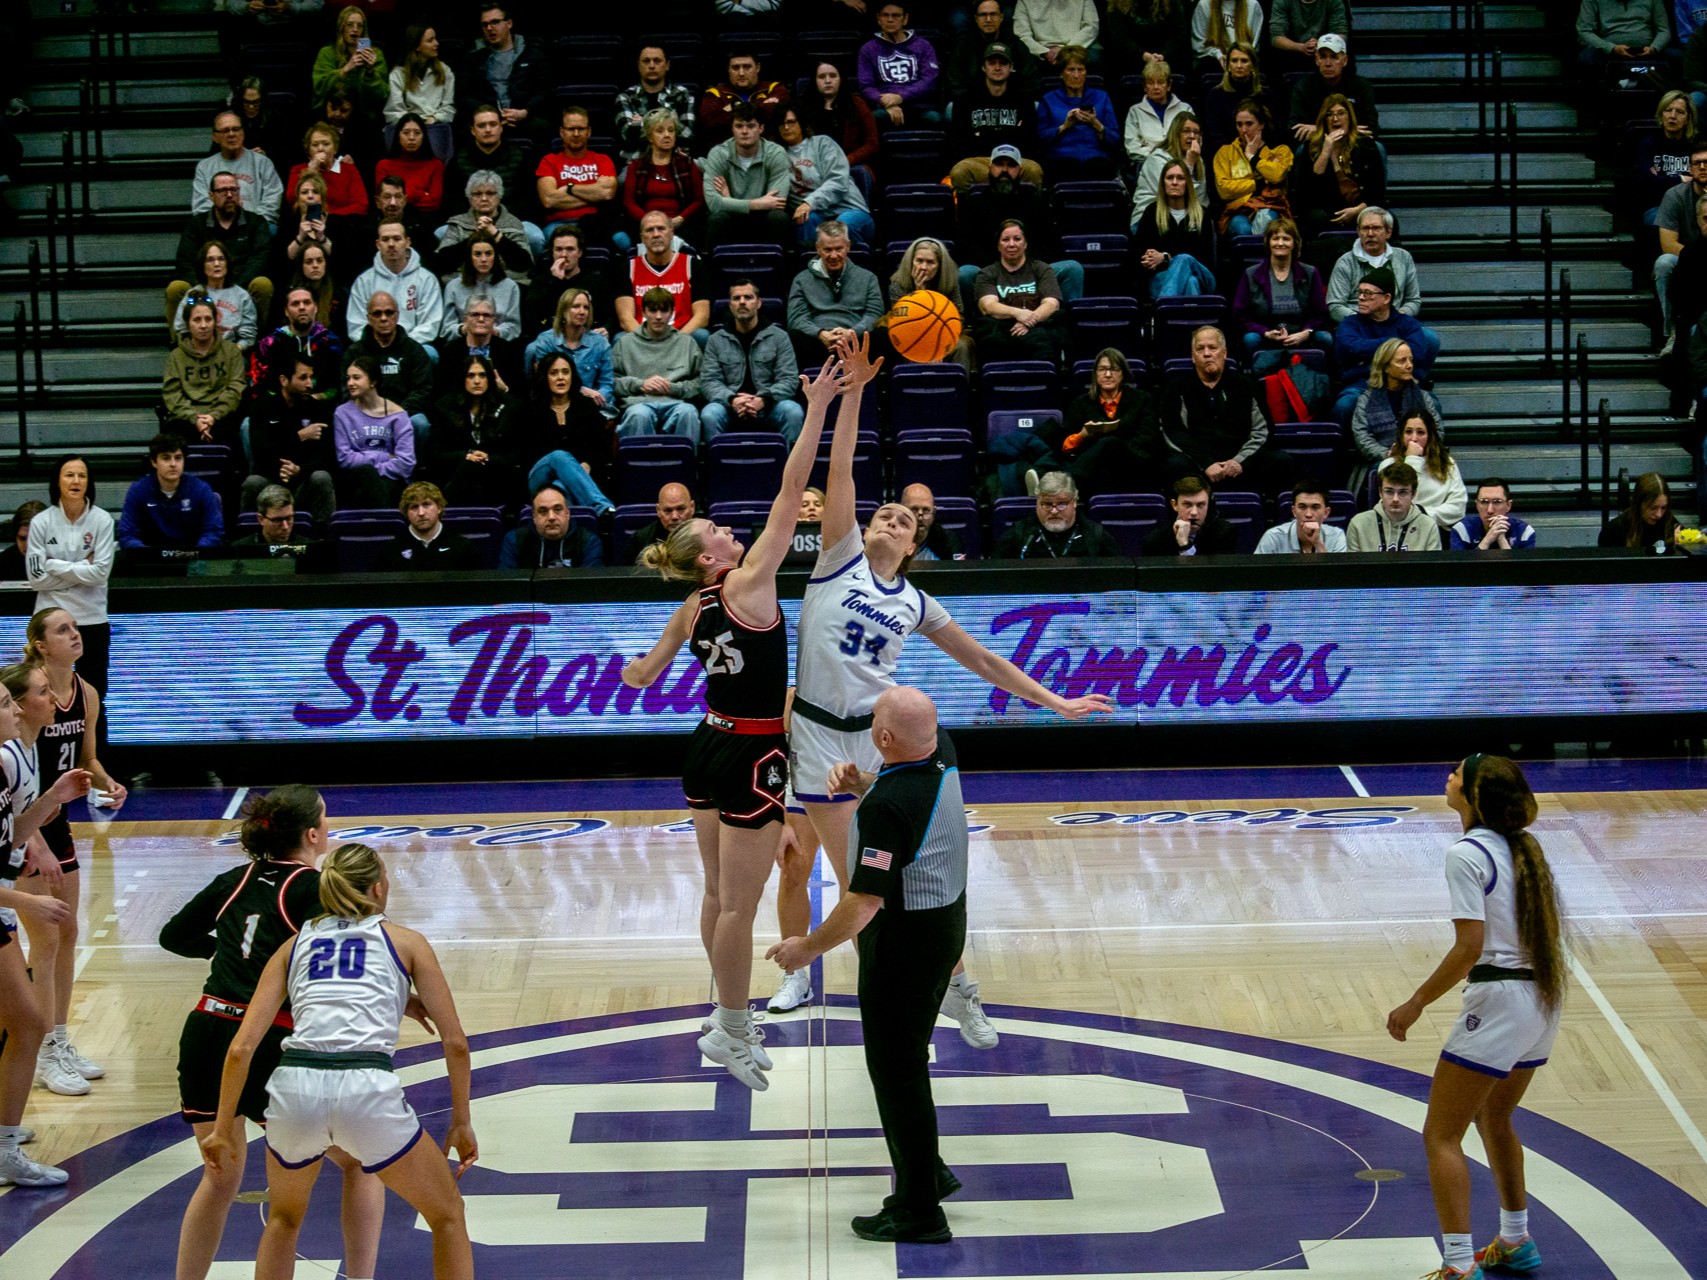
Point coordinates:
[[924, 326]]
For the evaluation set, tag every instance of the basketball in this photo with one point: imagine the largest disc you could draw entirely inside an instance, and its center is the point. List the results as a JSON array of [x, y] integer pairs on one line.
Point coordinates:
[[924, 326]]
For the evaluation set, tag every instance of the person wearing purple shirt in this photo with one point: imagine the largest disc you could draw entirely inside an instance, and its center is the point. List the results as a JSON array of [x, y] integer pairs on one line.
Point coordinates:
[[898, 73], [373, 438]]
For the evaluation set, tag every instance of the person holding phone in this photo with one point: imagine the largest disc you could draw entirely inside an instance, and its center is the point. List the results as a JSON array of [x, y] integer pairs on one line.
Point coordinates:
[[351, 63]]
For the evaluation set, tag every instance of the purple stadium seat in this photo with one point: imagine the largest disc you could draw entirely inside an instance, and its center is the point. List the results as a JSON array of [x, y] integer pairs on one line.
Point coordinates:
[[1318, 447], [915, 156], [597, 96], [1249, 249], [1182, 364], [1245, 513], [1106, 258], [744, 466], [1014, 385], [1176, 318], [1090, 208], [1007, 511], [764, 264], [1083, 370], [1095, 323], [928, 395], [914, 209], [771, 311], [483, 526], [961, 515], [1128, 517], [249, 522], [869, 420], [867, 464], [645, 464], [1005, 422], [628, 521], [361, 534], [944, 464]]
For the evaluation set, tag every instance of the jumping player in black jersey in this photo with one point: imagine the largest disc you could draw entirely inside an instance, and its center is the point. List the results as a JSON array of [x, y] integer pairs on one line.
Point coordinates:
[[22, 1024], [737, 766], [68, 741], [238, 922]]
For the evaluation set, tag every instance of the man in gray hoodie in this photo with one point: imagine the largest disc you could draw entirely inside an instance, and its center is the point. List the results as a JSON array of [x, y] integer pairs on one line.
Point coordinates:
[[749, 377], [397, 270], [832, 299], [657, 374], [746, 185]]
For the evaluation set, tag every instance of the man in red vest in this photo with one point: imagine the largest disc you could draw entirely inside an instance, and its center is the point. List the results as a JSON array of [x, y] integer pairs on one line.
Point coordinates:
[[660, 265]]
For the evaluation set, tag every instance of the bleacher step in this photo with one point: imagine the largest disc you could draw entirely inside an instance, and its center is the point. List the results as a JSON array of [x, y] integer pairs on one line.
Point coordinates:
[[1469, 221], [1496, 278], [56, 430], [112, 194], [1527, 338], [1416, 19], [1476, 168], [62, 95], [1387, 69], [1553, 463], [123, 144], [142, 44], [125, 248], [1466, 117], [1520, 399], [99, 308]]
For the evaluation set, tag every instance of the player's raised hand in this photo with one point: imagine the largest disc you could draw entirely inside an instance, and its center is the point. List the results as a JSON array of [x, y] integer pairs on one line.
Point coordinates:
[[856, 358], [830, 383], [1078, 708]]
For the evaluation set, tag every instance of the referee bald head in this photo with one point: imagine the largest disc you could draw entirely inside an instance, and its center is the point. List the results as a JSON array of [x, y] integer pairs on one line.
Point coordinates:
[[903, 725]]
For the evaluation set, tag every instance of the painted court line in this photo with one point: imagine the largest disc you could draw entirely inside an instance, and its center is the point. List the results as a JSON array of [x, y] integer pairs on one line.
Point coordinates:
[[1643, 1062], [1354, 780], [236, 805]]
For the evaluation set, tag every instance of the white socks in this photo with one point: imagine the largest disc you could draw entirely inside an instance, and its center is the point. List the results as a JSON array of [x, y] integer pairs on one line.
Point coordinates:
[[1514, 1225], [731, 1021], [1457, 1251], [53, 1040], [9, 1135], [961, 980]]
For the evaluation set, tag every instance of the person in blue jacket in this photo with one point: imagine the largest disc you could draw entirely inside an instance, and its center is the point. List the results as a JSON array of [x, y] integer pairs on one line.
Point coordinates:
[[168, 510], [551, 541]]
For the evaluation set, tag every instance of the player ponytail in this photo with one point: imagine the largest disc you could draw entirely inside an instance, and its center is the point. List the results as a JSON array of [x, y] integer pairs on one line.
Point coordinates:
[[275, 824], [1500, 799], [16, 678], [676, 558], [347, 877], [35, 631]]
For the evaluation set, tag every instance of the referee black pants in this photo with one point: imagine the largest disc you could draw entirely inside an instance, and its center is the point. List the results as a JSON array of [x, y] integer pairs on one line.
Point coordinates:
[[905, 962]]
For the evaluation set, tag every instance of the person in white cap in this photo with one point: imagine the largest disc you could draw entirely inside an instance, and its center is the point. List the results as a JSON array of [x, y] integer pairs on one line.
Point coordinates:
[[1332, 77]]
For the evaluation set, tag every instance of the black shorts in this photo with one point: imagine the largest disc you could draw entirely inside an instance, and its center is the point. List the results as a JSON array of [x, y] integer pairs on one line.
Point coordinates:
[[741, 775], [201, 1063], [57, 836]]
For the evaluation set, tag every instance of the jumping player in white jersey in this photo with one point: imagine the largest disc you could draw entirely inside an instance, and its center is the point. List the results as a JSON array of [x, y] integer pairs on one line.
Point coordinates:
[[858, 612], [22, 1023], [737, 765], [1505, 911], [347, 976]]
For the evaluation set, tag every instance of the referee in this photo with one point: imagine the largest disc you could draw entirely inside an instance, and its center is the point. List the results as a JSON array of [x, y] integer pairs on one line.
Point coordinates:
[[906, 900]]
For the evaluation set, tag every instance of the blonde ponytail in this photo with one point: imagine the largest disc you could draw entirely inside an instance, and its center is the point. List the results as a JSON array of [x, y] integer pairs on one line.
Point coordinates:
[[676, 558], [347, 878]]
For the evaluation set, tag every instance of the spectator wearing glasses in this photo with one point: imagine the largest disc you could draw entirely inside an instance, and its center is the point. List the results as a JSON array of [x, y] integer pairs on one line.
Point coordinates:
[[275, 513], [1679, 226], [479, 334], [577, 184], [1492, 527], [489, 153], [517, 241], [397, 272], [931, 541], [821, 187], [403, 363], [238, 322], [654, 92], [1195, 530], [1057, 531], [1395, 523], [1308, 532], [259, 188], [1373, 248], [898, 73], [1360, 335], [245, 237], [507, 70], [1391, 398], [482, 275]]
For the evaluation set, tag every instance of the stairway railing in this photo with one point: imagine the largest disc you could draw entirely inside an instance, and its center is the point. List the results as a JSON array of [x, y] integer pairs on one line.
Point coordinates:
[[1605, 461], [20, 335], [1582, 421], [1565, 353], [1547, 289]]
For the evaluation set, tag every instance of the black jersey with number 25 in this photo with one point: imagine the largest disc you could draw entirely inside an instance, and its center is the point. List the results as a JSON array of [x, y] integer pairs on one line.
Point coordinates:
[[746, 668]]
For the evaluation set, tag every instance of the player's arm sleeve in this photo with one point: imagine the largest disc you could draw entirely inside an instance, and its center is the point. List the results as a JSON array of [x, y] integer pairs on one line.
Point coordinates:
[[1468, 872], [883, 844], [834, 557], [932, 617], [190, 932]]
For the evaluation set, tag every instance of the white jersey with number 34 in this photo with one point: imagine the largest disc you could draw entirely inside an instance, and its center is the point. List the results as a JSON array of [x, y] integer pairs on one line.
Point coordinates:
[[852, 627]]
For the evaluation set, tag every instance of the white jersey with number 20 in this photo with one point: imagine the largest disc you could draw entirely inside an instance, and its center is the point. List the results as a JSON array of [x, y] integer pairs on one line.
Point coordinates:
[[852, 627]]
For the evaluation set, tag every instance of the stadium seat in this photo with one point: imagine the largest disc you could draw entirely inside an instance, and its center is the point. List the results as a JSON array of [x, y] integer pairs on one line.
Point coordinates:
[[1006, 512], [483, 526], [869, 419], [1085, 369], [1129, 516], [1095, 323], [937, 460], [362, 534], [1318, 448], [764, 264], [867, 464], [597, 97], [645, 464], [961, 515], [1106, 258], [1244, 512], [744, 466], [1340, 501], [915, 156], [1182, 364], [1249, 249], [1006, 422], [928, 395], [249, 522], [914, 209], [627, 522], [1090, 208], [771, 311], [1175, 319], [1014, 385]]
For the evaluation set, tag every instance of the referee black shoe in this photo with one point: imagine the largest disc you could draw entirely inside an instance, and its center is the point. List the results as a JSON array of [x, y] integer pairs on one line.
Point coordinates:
[[887, 1226], [946, 1185]]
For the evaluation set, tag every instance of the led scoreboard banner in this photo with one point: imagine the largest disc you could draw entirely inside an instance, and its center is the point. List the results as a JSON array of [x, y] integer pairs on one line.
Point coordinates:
[[1237, 641]]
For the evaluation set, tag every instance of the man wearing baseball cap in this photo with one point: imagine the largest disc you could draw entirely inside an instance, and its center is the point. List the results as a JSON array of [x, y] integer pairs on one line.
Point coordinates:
[[990, 119], [1295, 27], [1331, 76]]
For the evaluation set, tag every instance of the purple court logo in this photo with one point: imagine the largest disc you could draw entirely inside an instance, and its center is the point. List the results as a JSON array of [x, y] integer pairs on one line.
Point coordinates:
[[1087, 1145], [476, 833], [1342, 818]]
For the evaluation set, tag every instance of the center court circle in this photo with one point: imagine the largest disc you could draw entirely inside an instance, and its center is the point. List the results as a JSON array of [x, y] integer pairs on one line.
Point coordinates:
[[1088, 1145]]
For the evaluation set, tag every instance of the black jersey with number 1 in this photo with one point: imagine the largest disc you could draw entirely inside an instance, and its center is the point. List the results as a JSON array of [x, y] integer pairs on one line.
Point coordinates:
[[240, 920], [746, 668], [58, 747]]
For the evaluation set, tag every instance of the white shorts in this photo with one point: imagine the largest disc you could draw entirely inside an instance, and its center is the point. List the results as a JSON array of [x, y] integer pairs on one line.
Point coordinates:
[[362, 1111], [1502, 1029], [814, 750]]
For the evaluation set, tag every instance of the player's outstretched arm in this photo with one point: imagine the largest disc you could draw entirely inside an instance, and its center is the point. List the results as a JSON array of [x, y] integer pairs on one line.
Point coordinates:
[[840, 500], [766, 554], [642, 671], [997, 670]]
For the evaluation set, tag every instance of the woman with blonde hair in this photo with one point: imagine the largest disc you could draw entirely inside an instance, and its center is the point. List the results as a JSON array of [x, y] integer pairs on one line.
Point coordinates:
[[1183, 145], [737, 765], [352, 62], [347, 978], [1176, 241], [1440, 485], [1392, 398], [573, 334], [1509, 948]]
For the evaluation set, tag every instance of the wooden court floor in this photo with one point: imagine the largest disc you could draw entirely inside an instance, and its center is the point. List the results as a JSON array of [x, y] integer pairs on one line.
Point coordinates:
[[1241, 922]]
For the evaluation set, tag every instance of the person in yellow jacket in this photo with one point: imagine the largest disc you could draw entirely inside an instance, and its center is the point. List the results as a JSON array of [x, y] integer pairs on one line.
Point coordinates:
[[1250, 176]]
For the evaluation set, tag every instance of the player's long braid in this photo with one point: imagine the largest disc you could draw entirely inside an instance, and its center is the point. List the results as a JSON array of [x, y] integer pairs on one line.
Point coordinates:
[[1503, 802]]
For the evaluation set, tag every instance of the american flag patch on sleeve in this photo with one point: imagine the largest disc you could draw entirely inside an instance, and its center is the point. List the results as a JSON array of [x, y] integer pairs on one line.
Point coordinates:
[[876, 858]]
